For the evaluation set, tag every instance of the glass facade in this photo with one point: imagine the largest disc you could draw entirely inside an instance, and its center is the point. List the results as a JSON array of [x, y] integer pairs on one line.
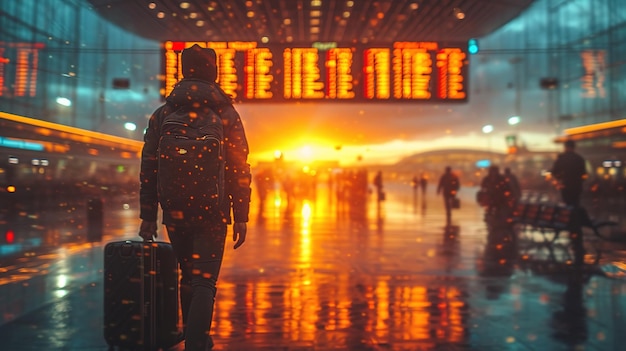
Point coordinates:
[[560, 64], [59, 60]]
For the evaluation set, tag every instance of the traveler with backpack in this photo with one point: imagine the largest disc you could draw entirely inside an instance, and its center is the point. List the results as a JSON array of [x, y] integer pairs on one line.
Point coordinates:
[[194, 164]]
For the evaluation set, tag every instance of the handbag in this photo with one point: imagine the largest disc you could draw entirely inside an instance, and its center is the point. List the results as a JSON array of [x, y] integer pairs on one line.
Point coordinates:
[[456, 203]]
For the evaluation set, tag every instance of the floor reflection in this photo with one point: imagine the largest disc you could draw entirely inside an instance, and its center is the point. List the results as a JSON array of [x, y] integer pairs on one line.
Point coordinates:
[[324, 272]]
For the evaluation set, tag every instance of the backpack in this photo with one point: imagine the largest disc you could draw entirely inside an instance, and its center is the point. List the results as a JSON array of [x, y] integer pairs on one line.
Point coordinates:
[[190, 174]]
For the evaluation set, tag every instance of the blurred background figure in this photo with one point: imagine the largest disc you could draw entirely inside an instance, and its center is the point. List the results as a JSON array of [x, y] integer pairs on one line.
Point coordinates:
[[448, 187], [495, 187], [513, 186], [423, 185], [414, 185], [263, 182], [378, 185], [570, 170]]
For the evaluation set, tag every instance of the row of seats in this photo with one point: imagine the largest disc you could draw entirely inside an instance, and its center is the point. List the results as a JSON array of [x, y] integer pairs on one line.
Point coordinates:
[[547, 218], [550, 218]]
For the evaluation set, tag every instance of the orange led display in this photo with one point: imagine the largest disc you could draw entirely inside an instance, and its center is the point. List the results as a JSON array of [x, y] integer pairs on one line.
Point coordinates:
[[227, 71], [377, 74], [450, 63], [3, 61], [304, 80], [258, 77], [412, 69], [405, 71], [25, 57], [339, 79], [24, 72]]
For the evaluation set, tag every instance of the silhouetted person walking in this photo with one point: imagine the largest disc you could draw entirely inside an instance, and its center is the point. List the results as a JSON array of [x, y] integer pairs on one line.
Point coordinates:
[[569, 169], [378, 184], [196, 134], [423, 184], [448, 187]]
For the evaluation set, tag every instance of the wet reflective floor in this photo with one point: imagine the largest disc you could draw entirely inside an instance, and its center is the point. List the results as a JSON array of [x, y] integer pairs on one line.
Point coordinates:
[[318, 275]]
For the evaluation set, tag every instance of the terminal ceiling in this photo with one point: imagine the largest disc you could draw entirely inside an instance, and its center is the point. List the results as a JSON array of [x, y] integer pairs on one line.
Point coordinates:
[[305, 21]]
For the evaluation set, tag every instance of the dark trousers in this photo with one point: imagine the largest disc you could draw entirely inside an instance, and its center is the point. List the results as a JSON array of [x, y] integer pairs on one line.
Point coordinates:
[[447, 202], [200, 250], [571, 196]]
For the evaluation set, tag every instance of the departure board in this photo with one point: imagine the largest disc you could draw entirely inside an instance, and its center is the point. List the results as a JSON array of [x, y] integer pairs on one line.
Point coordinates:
[[400, 72]]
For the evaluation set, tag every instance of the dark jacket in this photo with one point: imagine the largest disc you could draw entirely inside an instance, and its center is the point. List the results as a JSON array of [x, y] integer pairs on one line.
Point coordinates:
[[497, 189], [195, 93], [569, 169], [448, 184]]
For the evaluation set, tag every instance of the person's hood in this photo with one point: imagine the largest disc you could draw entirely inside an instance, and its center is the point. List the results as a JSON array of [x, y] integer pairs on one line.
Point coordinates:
[[200, 63]]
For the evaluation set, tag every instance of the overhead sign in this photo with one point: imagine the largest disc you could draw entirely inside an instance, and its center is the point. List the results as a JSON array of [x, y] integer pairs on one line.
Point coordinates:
[[20, 62], [401, 72]]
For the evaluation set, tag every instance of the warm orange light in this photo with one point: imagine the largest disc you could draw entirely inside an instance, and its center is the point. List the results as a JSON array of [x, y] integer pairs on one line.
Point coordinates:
[[76, 134], [595, 127], [306, 153], [619, 144], [10, 189]]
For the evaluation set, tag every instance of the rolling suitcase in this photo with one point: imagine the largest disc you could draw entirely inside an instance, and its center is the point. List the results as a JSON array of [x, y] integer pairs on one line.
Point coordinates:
[[140, 295]]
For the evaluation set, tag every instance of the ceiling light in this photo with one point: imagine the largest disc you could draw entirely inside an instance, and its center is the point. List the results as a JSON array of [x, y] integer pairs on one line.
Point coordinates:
[[458, 13], [152, 6], [184, 5], [64, 101], [130, 126], [161, 15], [200, 23]]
